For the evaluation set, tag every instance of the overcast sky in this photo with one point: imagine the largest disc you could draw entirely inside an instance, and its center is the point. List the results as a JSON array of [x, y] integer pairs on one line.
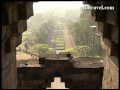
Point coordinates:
[[43, 6]]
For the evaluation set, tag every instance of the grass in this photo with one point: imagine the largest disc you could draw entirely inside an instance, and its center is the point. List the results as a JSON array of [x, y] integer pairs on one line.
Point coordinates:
[[60, 41], [60, 48]]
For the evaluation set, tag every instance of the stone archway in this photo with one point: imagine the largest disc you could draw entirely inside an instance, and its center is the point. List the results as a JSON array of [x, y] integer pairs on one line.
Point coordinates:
[[14, 16]]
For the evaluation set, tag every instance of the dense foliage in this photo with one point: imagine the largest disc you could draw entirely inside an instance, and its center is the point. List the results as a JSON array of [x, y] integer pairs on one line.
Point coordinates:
[[87, 43], [41, 29]]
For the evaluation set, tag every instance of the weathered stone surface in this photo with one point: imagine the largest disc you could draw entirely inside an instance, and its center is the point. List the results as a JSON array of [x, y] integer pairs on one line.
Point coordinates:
[[110, 47], [6, 78], [25, 11], [114, 49], [9, 79], [106, 29], [4, 14], [29, 9], [22, 26], [115, 62], [114, 35], [111, 16], [18, 27], [12, 28], [12, 13], [6, 61], [85, 78], [5, 32], [106, 45], [18, 40], [13, 69], [22, 11], [13, 42], [111, 75], [8, 45]]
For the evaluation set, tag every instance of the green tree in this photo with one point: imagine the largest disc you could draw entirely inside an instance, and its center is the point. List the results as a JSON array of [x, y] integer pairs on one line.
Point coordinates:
[[83, 51], [40, 48], [83, 34]]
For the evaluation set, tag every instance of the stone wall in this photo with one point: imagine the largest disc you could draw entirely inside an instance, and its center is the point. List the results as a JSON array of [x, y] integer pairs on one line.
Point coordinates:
[[77, 78], [107, 22], [14, 16]]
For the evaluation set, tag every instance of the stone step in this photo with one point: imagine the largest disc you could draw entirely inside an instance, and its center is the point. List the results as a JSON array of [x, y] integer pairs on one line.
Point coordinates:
[[57, 84]]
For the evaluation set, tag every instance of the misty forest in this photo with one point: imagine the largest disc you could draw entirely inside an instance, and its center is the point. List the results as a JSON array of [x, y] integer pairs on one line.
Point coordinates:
[[62, 30]]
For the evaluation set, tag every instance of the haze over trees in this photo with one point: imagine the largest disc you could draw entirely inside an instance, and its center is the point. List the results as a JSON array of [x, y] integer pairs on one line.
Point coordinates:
[[41, 29], [84, 35]]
